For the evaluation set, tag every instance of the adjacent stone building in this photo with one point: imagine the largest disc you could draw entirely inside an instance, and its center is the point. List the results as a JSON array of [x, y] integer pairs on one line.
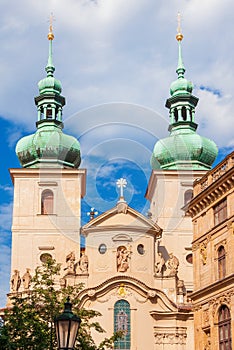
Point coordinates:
[[212, 212]]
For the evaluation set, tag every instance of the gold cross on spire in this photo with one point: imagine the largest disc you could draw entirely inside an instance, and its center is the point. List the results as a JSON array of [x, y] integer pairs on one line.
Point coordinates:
[[51, 34], [179, 35]]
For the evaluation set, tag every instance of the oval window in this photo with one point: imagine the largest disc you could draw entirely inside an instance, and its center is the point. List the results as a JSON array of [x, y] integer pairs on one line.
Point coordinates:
[[140, 249], [102, 248], [45, 256], [189, 258]]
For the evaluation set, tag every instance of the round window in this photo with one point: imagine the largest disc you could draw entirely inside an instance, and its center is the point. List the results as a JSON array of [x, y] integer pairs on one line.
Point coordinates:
[[140, 249], [102, 248], [45, 256], [189, 258]]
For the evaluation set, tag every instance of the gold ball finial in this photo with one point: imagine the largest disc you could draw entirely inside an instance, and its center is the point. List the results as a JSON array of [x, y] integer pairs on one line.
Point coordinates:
[[179, 35], [50, 35]]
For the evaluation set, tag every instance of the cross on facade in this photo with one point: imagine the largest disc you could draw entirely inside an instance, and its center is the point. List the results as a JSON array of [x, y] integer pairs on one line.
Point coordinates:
[[121, 183]]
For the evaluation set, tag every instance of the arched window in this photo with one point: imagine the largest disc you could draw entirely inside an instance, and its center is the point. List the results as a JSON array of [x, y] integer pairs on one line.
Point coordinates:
[[41, 113], [221, 262], [225, 338], [220, 211], [191, 115], [122, 322], [184, 113], [47, 202], [188, 195], [176, 114], [49, 112]]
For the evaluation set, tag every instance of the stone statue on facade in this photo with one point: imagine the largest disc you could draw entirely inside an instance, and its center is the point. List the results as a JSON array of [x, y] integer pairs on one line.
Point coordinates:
[[123, 255], [70, 260], [27, 278], [172, 265], [83, 263], [15, 281], [63, 282], [159, 265]]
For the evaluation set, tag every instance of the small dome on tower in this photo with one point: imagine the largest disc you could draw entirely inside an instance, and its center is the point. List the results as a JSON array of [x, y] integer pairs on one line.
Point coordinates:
[[181, 86], [48, 146], [49, 85]]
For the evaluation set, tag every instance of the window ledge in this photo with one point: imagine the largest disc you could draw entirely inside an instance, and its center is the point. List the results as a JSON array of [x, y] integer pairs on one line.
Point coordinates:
[[47, 215]]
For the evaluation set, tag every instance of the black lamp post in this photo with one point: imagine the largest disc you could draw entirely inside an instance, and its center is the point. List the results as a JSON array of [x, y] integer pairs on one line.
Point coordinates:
[[67, 325]]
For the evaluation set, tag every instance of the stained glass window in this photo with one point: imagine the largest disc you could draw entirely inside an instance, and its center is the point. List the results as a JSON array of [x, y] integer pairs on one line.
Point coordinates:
[[122, 322]]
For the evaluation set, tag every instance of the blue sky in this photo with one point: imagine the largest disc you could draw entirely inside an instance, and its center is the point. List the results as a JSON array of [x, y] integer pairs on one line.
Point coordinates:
[[116, 61]]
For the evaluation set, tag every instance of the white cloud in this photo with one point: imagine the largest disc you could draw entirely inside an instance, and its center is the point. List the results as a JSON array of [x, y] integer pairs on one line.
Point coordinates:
[[5, 217], [107, 51], [4, 273], [6, 188], [215, 120], [5, 256]]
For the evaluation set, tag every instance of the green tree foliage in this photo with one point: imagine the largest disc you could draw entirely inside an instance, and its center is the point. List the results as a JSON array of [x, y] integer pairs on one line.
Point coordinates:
[[29, 324]]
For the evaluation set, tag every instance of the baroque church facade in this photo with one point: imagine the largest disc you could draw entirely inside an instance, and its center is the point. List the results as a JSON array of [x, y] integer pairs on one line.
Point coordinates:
[[136, 270]]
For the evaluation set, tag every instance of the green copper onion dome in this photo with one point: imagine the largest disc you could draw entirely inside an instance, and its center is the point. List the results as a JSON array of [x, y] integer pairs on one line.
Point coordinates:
[[184, 148], [49, 84], [49, 146]]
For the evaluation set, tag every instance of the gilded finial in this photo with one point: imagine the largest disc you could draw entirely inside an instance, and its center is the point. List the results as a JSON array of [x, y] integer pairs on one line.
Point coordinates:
[[50, 35], [179, 35]]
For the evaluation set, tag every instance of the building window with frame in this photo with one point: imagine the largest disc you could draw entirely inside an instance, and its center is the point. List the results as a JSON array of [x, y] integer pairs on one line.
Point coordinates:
[[47, 202], [45, 257], [141, 249], [224, 324], [122, 322], [220, 212], [221, 262], [188, 195]]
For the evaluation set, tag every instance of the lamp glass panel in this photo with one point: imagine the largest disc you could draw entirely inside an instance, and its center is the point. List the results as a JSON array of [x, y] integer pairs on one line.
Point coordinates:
[[63, 327], [73, 333]]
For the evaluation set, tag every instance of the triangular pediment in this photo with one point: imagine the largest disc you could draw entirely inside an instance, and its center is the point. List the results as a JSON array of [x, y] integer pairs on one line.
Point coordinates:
[[122, 216]]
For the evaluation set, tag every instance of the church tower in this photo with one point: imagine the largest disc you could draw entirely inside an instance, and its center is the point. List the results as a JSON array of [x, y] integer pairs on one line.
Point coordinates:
[[48, 188], [177, 161]]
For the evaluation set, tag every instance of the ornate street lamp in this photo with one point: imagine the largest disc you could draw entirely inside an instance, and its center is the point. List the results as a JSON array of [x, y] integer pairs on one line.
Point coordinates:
[[67, 325]]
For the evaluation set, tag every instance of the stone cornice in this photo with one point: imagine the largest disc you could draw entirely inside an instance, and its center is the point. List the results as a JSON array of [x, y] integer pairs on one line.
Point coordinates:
[[47, 173], [207, 236], [146, 225], [180, 174], [178, 315], [214, 288], [213, 186]]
